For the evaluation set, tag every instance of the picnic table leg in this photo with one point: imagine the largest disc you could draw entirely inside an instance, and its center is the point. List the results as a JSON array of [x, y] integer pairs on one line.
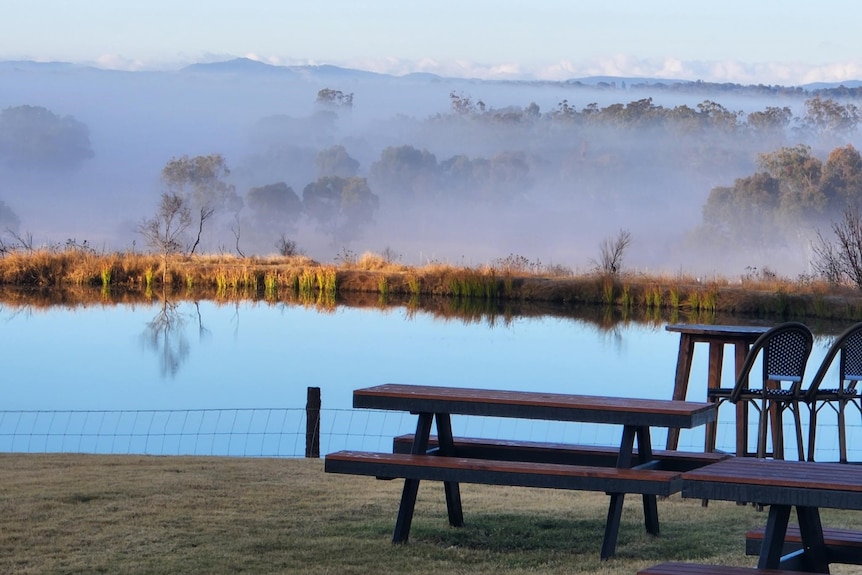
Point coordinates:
[[680, 385], [411, 486], [649, 501], [451, 488], [811, 530], [615, 508], [773, 537]]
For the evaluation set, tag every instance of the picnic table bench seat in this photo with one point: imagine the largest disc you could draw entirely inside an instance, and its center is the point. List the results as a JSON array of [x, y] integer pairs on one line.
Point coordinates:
[[844, 544], [552, 452], [645, 481], [680, 568]]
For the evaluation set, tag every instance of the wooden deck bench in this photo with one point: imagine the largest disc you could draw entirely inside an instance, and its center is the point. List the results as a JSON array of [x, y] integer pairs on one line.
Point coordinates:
[[644, 481], [678, 568], [565, 453], [844, 544]]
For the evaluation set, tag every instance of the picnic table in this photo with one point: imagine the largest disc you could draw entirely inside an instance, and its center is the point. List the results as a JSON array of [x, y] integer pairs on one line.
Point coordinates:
[[741, 337], [454, 460], [806, 485]]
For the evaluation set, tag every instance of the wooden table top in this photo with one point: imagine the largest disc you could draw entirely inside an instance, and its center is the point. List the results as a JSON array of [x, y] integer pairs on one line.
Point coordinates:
[[751, 332], [535, 405], [780, 482]]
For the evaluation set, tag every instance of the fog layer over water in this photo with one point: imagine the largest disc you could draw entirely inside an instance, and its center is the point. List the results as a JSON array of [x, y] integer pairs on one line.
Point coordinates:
[[463, 172]]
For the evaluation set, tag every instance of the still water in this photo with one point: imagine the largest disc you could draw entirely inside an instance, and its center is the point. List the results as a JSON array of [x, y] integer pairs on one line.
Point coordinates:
[[215, 356]]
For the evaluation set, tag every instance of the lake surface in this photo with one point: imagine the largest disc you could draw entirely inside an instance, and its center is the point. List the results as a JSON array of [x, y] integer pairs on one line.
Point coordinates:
[[245, 359]]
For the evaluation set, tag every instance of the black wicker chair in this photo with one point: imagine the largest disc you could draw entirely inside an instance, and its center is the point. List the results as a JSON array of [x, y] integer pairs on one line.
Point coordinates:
[[848, 348], [784, 352]]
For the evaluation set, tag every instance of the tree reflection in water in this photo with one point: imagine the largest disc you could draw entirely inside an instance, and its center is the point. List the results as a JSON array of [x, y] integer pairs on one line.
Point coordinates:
[[165, 334]]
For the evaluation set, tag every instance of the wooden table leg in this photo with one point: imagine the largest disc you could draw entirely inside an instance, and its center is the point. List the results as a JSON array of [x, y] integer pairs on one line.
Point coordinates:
[[451, 488], [680, 385], [649, 501], [411, 486], [811, 530], [615, 508], [773, 537]]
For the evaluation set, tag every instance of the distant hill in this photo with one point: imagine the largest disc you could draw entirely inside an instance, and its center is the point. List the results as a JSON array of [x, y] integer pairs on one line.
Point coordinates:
[[851, 89], [248, 66]]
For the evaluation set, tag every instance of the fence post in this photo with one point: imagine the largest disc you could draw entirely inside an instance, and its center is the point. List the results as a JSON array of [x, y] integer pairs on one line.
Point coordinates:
[[312, 423]]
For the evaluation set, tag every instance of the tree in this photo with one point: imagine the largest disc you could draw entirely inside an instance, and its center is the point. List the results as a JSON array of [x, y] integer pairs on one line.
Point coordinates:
[[745, 212], [201, 183], [35, 139], [841, 179], [334, 98], [826, 119], [405, 173], [798, 174], [275, 205], [341, 206], [335, 161], [842, 260], [166, 230], [611, 252]]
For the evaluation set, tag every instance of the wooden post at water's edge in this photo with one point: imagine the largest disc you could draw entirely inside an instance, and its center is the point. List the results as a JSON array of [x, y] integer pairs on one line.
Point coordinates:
[[312, 423]]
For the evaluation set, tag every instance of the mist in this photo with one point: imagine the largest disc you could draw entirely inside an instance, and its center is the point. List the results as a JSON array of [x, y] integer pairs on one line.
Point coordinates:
[[536, 188]]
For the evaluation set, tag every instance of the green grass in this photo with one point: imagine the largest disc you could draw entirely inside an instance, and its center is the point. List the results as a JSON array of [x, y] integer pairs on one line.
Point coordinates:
[[66, 513]]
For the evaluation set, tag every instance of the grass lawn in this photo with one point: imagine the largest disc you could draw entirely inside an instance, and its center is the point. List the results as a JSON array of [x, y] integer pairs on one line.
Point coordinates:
[[66, 513]]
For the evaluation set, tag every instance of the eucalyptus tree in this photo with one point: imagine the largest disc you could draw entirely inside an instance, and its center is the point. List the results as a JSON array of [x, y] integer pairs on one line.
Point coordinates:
[[202, 183]]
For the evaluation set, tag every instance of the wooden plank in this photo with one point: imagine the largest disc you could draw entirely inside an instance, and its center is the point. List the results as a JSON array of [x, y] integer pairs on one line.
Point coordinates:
[[777, 482], [791, 474], [492, 472], [550, 452], [676, 568], [536, 405], [843, 545]]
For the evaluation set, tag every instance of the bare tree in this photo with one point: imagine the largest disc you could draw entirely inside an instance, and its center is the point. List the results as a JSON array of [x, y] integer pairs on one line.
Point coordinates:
[[206, 212], [611, 252], [164, 232], [842, 260]]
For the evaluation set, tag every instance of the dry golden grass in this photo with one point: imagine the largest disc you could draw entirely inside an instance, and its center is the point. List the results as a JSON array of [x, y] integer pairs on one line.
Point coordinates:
[[276, 277]]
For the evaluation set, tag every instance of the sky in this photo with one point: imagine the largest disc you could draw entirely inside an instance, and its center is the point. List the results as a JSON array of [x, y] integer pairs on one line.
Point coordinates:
[[787, 42]]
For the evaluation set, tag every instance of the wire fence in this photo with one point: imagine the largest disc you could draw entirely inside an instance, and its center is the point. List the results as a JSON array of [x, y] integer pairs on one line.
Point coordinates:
[[291, 432]]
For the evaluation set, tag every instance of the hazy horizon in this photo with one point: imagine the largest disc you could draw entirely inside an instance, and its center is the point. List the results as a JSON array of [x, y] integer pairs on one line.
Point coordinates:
[[577, 189]]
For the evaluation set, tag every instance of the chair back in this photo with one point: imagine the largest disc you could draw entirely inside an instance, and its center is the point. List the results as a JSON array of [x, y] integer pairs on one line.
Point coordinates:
[[848, 347], [785, 349]]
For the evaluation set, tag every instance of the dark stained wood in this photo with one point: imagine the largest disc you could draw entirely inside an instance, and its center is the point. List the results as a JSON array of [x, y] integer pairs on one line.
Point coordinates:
[[779, 475], [536, 405], [549, 452], [781, 484], [708, 332], [717, 336], [625, 470], [842, 545], [492, 472], [674, 568]]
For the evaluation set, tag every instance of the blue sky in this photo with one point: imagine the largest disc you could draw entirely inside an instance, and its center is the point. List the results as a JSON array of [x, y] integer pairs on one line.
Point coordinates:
[[747, 41]]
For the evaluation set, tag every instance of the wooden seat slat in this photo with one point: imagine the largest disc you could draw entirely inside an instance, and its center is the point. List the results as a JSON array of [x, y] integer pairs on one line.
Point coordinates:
[[843, 544], [494, 472], [678, 568], [551, 452]]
